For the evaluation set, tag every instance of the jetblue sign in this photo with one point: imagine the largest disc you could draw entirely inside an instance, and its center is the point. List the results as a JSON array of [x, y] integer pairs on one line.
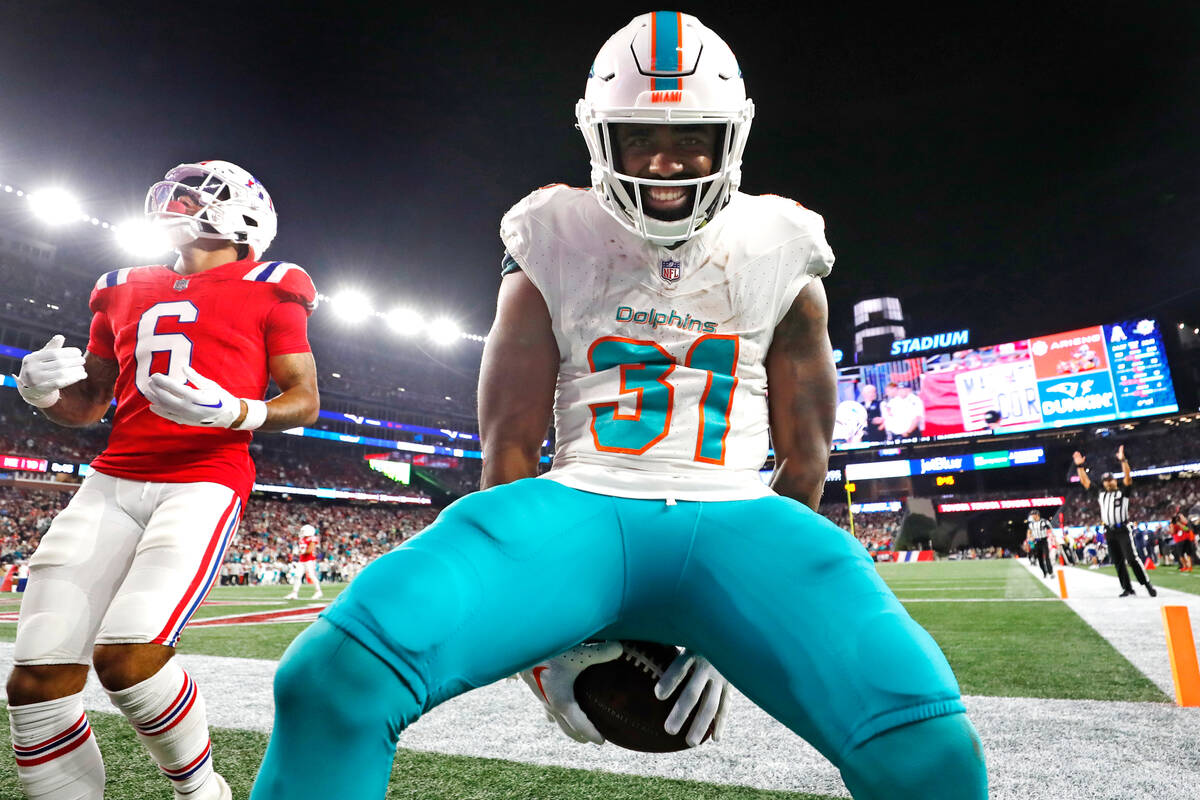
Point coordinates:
[[938, 341]]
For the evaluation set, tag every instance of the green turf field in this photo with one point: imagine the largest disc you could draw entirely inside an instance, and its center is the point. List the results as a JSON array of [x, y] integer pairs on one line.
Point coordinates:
[[1019, 645], [1004, 633]]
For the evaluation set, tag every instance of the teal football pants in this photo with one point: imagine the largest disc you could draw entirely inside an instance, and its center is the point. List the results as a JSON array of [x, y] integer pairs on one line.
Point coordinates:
[[785, 604]]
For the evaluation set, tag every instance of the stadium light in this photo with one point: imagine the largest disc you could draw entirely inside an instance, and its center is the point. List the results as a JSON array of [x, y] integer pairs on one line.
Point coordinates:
[[54, 206], [142, 238], [444, 331], [405, 321], [352, 306]]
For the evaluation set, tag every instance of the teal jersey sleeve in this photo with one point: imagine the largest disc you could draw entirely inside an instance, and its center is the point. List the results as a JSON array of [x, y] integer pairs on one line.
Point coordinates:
[[508, 265]]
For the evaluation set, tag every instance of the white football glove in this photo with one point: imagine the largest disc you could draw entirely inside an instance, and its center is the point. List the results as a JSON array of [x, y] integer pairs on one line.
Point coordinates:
[[45, 371], [553, 681], [208, 405], [705, 688]]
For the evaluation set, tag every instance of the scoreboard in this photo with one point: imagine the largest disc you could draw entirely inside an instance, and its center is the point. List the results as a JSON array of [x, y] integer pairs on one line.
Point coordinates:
[[1097, 374]]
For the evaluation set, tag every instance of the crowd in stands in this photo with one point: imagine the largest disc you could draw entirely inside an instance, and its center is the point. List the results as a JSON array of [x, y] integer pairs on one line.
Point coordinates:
[[350, 537], [877, 531], [267, 538], [25, 514]]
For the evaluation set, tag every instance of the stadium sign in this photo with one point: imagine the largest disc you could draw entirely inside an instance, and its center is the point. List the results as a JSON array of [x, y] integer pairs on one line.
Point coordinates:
[[923, 344], [904, 468], [875, 508], [1001, 505], [24, 463]]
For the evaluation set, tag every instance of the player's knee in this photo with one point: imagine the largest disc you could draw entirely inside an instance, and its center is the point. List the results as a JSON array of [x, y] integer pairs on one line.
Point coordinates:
[[298, 679], [331, 681], [940, 757], [119, 666], [37, 684]]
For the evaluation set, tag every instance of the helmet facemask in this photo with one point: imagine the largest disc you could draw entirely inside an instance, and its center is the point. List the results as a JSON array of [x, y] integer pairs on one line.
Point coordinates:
[[212, 200], [621, 193]]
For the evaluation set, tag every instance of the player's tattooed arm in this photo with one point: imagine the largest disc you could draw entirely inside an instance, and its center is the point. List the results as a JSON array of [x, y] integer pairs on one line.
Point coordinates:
[[516, 383], [87, 401], [298, 402], [802, 396]]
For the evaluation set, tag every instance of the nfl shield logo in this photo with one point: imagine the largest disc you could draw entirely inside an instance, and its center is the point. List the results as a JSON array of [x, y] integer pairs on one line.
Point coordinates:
[[670, 270], [180, 284]]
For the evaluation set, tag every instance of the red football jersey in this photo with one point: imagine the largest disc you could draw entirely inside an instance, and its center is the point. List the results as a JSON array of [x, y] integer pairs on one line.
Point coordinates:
[[308, 548], [226, 323]]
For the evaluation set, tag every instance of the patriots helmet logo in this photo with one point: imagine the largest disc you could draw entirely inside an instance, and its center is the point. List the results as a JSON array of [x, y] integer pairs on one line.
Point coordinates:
[[670, 269]]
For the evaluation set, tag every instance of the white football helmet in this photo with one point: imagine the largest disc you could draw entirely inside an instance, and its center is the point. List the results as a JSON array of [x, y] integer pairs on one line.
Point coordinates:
[[308, 530], [665, 68], [213, 200]]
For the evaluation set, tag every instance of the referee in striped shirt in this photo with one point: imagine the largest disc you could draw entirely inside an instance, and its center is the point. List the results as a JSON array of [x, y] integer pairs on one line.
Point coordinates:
[[1039, 532], [1114, 513]]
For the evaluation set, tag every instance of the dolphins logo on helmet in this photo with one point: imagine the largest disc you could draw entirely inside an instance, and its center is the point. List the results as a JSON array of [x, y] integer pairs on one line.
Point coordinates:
[[213, 200], [665, 68]]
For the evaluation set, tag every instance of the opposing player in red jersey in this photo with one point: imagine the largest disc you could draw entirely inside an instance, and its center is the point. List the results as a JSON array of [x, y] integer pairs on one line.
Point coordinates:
[[309, 541], [188, 352]]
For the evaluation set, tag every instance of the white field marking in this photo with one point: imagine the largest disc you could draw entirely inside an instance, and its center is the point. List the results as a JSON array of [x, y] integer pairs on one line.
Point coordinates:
[[968, 588], [977, 599], [975, 580], [1133, 625], [1036, 749], [272, 617], [237, 601]]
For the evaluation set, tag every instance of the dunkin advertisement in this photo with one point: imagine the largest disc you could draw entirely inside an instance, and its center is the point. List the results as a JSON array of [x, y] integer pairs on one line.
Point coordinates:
[[1095, 374]]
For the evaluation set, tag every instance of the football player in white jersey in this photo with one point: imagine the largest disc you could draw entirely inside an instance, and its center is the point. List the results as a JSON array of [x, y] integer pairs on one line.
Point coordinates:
[[648, 314]]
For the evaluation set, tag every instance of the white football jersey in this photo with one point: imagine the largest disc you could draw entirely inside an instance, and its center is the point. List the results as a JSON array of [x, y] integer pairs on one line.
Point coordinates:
[[662, 383]]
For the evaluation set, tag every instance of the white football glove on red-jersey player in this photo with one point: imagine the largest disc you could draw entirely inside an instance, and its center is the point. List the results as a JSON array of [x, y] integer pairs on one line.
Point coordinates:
[[204, 404], [553, 681], [706, 688], [45, 371]]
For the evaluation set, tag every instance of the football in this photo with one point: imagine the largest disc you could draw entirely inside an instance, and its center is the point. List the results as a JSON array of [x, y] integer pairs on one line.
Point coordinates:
[[618, 697]]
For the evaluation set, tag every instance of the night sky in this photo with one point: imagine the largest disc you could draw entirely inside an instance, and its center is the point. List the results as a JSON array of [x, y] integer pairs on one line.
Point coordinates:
[[1017, 169]]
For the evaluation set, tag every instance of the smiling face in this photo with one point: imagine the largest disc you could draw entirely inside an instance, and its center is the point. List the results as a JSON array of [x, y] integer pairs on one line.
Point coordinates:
[[664, 152]]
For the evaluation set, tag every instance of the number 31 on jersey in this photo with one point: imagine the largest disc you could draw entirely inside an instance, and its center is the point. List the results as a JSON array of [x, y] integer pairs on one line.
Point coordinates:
[[645, 370]]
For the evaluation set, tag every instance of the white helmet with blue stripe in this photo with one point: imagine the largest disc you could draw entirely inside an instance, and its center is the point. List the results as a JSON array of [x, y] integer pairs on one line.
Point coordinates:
[[665, 68], [213, 200]]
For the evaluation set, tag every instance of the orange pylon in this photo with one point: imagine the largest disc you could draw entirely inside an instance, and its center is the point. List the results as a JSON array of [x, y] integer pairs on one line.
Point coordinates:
[[1181, 647], [1062, 583]]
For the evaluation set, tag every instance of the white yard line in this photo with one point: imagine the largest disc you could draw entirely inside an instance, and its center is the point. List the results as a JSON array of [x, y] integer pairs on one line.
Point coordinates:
[[976, 599], [1036, 749], [1133, 625]]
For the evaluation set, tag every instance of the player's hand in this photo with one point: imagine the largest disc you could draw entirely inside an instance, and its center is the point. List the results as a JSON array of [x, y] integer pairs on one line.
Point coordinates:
[[1079, 459], [45, 371], [205, 403], [553, 682], [1121, 453], [705, 688]]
